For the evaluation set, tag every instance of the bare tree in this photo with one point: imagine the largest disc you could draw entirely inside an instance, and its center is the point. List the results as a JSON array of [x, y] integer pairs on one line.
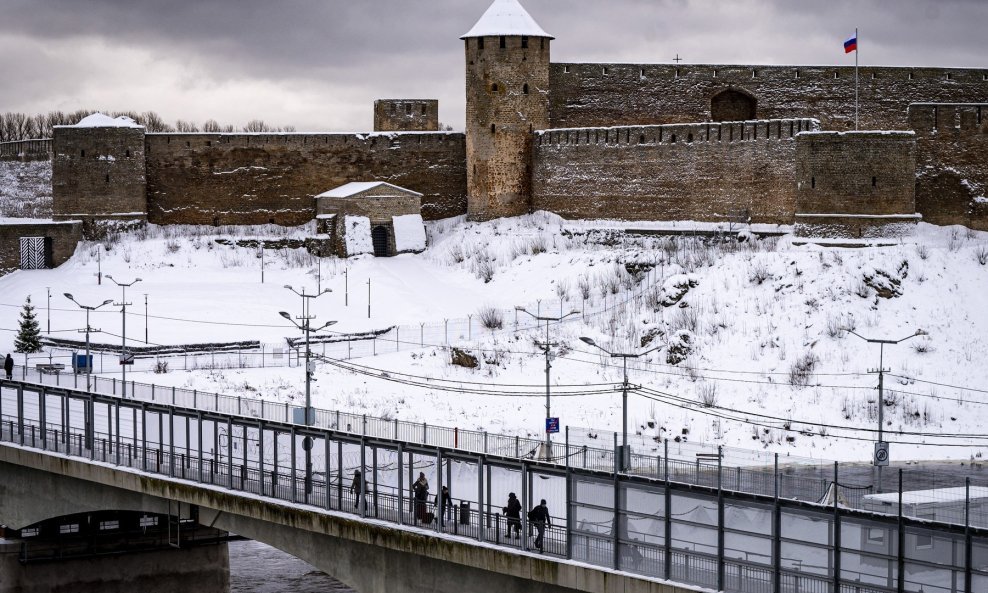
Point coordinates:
[[257, 125], [211, 125]]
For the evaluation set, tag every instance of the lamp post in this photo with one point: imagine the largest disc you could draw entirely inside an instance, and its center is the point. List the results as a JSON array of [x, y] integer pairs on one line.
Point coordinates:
[[87, 308], [880, 446], [48, 288], [123, 347], [547, 453], [306, 326], [624, 393]]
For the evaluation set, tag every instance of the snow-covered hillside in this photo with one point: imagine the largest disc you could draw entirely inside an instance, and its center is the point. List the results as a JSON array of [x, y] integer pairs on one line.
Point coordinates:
[[25, 189], [750, 351]]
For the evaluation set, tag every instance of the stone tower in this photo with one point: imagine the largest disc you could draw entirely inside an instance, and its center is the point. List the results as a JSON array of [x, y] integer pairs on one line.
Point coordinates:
[[507, 56], [98, 172]]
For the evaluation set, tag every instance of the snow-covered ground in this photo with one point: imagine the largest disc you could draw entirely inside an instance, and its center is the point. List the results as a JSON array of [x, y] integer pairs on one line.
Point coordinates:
[[749, 349], [25, 189]]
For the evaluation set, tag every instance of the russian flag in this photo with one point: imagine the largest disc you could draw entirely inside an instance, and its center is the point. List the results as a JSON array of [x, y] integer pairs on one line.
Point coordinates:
[[851, 45]]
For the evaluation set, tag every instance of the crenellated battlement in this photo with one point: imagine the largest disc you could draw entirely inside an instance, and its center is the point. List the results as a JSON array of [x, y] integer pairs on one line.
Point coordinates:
[[933, 117], [739, 131]]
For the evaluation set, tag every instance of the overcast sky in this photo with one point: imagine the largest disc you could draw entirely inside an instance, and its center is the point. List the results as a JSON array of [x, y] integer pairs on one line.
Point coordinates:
[[319, 64]]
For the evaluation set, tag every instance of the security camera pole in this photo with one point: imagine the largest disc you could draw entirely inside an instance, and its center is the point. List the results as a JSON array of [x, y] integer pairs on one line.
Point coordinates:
[[547, 454], [621, 466], [306, 326], [880, 445], [87, 308], [124, 361]]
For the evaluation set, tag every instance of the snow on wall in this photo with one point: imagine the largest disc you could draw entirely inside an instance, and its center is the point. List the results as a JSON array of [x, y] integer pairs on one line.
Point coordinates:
[[358, 235], [409, 233]]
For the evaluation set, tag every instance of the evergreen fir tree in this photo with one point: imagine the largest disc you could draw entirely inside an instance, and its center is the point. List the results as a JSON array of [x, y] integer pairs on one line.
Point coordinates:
[[29, 336]]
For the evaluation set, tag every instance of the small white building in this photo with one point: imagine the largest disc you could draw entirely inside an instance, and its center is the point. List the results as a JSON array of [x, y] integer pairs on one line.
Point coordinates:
[[372, 217]]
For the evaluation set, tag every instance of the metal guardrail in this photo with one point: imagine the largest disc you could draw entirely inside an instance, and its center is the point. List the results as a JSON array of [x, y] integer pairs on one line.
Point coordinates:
[[705, 535]]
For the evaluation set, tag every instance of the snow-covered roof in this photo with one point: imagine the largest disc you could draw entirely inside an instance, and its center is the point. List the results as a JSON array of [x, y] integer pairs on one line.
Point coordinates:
[[933, 495], [508, 18], [99, 120], [355, 187]]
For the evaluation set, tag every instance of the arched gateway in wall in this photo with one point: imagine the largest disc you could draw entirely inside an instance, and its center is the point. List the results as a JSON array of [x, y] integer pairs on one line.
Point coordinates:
[[732, 105]]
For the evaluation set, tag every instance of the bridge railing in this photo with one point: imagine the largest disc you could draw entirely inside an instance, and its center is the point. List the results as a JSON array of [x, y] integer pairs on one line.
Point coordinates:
[[753, 472], [698, 534]]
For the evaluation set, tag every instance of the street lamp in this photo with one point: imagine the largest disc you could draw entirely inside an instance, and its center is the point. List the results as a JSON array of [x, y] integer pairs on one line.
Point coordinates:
[[89, 366], [306, 326], [880, 446], [622, 465], [547, 453], [123, 348]]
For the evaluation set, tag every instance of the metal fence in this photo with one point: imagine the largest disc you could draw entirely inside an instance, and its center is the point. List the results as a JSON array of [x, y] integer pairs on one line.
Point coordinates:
[[659, 527]]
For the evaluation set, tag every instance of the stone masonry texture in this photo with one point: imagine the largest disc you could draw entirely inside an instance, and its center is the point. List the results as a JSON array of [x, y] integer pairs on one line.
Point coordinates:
[[856, 173], [706, 172], [952, 163], [98, 173], [406, 115], [592, 95], [265, 178], [507, 99]]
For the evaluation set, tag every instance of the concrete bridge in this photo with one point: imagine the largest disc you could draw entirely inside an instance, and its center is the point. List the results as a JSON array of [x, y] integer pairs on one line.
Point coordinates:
[[290, 486]]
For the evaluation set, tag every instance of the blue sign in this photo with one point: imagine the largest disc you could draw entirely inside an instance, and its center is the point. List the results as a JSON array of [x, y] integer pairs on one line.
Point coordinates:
[[552, 425]]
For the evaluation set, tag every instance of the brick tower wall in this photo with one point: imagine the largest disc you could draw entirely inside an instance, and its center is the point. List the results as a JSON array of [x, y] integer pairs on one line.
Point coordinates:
[[406, 115], [507, 99], [98, 174]]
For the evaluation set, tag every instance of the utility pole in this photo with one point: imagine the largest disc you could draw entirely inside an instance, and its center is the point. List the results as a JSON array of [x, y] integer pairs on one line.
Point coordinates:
[[306, 326], [124, 361], [546, 347], [145, 318], [48, 288], [622, 464], [87, 308], [881, 457]]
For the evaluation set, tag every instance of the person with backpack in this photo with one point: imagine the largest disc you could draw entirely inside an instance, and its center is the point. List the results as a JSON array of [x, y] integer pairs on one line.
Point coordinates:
[[513, 514], [420, 490], [539, 517], [359, 489]]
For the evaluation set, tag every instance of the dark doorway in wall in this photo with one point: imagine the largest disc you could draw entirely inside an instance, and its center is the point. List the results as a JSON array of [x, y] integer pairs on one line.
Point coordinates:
[[379, 236], [732, 105]]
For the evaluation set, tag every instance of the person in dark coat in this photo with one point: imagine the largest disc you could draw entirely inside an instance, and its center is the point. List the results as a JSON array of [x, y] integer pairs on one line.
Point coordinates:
[[8, 367], [420, 489], [513, 514], [539, 517], [444, 503], [358, 488]]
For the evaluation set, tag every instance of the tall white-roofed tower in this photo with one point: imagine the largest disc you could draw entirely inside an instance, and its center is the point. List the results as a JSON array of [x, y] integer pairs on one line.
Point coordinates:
[[507, 55]]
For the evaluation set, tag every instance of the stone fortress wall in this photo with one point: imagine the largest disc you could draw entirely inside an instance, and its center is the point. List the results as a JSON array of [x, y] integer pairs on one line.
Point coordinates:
[[543, 136], [706, 172], [591, 95], [952, 162], [272, 178]]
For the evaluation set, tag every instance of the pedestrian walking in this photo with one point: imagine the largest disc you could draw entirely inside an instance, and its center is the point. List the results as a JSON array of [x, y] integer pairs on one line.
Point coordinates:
[[8, 367], [539, 517], [420, 490], [444, 503], [359, 489], [513, 513]]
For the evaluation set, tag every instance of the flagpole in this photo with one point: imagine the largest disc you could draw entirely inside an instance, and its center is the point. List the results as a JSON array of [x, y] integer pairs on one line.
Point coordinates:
[[857, 45]]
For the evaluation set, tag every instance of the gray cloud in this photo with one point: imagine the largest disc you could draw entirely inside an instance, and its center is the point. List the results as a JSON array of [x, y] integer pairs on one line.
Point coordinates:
[[318, 64]]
